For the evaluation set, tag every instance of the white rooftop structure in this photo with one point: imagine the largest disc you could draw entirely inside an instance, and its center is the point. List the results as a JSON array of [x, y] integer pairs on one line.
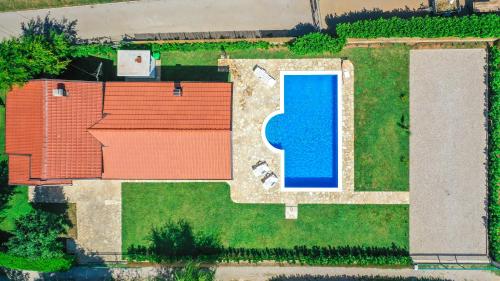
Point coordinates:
[[136, 63]]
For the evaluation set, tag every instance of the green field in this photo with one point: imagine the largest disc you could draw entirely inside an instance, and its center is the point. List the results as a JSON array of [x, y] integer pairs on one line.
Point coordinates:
[[209, 209], [381, 105], [16, 5]]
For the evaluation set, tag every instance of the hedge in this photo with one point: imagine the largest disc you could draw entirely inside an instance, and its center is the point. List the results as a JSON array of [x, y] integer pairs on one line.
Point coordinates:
[[316, 43], [482, 26], [42, 265], [307, 277], [494, 153], [109, 51], [300, 254]]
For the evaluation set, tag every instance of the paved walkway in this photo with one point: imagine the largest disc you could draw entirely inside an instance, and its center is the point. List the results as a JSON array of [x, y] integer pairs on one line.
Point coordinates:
[[264, 273], [448, 174], [98, 211], [155, 16]]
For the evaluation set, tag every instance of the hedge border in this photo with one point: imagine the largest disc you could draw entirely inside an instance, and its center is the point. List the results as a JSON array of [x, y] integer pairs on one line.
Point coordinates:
[[494, 153], [365, 256]]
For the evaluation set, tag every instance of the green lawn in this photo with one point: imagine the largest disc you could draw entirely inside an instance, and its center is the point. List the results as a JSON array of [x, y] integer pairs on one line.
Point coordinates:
[[381, 105], [381, 116], [208, 208], [16, 5], [15, 204]]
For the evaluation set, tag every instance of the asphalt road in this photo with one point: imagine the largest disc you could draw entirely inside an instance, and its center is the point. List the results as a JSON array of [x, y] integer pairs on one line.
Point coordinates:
[[155, 16]]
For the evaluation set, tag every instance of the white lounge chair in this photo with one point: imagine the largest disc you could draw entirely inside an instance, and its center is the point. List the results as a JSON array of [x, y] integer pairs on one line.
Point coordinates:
[[260, 169], [269, 180], [262, 74]]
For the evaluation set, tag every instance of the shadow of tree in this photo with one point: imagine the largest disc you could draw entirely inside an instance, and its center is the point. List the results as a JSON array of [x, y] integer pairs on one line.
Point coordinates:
[[307, 277], [44, 26], [332, 20], [177, 241]]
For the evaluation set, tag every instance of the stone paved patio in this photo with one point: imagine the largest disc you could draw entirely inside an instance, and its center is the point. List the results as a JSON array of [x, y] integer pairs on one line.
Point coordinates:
[[253, 102], [98, 212]]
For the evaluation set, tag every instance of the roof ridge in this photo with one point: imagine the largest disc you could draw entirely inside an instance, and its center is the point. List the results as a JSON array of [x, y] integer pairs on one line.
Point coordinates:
[[45, 129]]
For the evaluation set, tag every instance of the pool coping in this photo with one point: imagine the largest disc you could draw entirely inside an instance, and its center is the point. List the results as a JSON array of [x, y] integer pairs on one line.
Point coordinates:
[[281, 110]]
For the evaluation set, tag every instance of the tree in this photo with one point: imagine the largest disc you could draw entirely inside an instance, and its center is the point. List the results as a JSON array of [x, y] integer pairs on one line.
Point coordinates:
[[35, 236], [29, 57]]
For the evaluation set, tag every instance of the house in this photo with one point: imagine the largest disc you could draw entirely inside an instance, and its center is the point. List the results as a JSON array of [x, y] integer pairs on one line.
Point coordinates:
[[58, 131]]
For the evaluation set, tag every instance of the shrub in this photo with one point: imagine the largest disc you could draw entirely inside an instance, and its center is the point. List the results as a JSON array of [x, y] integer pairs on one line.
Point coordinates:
[[487, 25], [316, 43], [35, 235], [193, 272], [494, 154], [63, 263]]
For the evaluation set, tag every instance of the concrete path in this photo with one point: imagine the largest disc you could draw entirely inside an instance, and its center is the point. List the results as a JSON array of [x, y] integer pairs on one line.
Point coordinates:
[[448, 144], [116, 20], [98, 211], [262, 273]]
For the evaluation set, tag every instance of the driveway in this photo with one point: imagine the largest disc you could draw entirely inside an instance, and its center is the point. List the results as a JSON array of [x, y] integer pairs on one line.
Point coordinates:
[[448, 144], [155, 16]]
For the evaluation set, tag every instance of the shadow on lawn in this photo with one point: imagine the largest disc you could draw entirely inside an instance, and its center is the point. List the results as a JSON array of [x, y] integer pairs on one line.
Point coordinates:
[[86, 69], [174, 241], [193, 73], [6, 193]]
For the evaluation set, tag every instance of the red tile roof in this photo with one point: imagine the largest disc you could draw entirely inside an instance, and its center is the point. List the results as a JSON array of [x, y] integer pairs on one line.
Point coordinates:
[[52, 131], [165, 154], [147, 132], [151, 105]]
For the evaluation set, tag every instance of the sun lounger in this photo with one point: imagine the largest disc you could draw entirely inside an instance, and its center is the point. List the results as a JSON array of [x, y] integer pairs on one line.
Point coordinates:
[[262, 74], [260, 169], [269, 180]]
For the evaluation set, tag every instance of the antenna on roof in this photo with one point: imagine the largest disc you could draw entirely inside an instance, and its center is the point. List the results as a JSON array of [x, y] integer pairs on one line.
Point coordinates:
[[98, 71]]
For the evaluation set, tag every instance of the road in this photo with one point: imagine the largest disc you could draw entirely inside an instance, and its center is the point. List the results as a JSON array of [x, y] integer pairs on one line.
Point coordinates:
[[263, 273], [116, 20]]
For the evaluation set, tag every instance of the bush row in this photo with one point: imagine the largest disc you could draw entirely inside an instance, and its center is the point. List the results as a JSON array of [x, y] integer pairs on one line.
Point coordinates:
[[494, 153], [299, 254], [109, 51], [43, 265], [481, 26], [487, 25]]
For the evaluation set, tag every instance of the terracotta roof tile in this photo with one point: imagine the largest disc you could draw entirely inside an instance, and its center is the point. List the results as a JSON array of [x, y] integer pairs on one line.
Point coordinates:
[[147, 132], [52, 131], [166, 154], [151, 105]]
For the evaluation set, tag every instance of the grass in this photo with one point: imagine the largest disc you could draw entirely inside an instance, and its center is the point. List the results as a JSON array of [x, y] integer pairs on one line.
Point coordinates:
[[381, 105], [16, 207], [209, 209], [17, 5], [381, 116]]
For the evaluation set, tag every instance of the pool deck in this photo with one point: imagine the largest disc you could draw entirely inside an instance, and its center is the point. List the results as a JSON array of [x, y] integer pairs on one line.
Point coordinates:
[[253, 101]]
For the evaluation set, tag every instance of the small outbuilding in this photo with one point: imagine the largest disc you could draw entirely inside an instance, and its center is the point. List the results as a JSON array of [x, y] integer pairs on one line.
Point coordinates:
[[136, 63]]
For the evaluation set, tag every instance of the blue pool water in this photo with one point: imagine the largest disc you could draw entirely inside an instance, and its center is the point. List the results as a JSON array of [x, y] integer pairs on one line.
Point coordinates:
[[307, 131]]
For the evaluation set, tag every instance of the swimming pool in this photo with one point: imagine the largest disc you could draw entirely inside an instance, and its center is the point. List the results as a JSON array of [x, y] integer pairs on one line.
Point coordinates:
[[307, 130]]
